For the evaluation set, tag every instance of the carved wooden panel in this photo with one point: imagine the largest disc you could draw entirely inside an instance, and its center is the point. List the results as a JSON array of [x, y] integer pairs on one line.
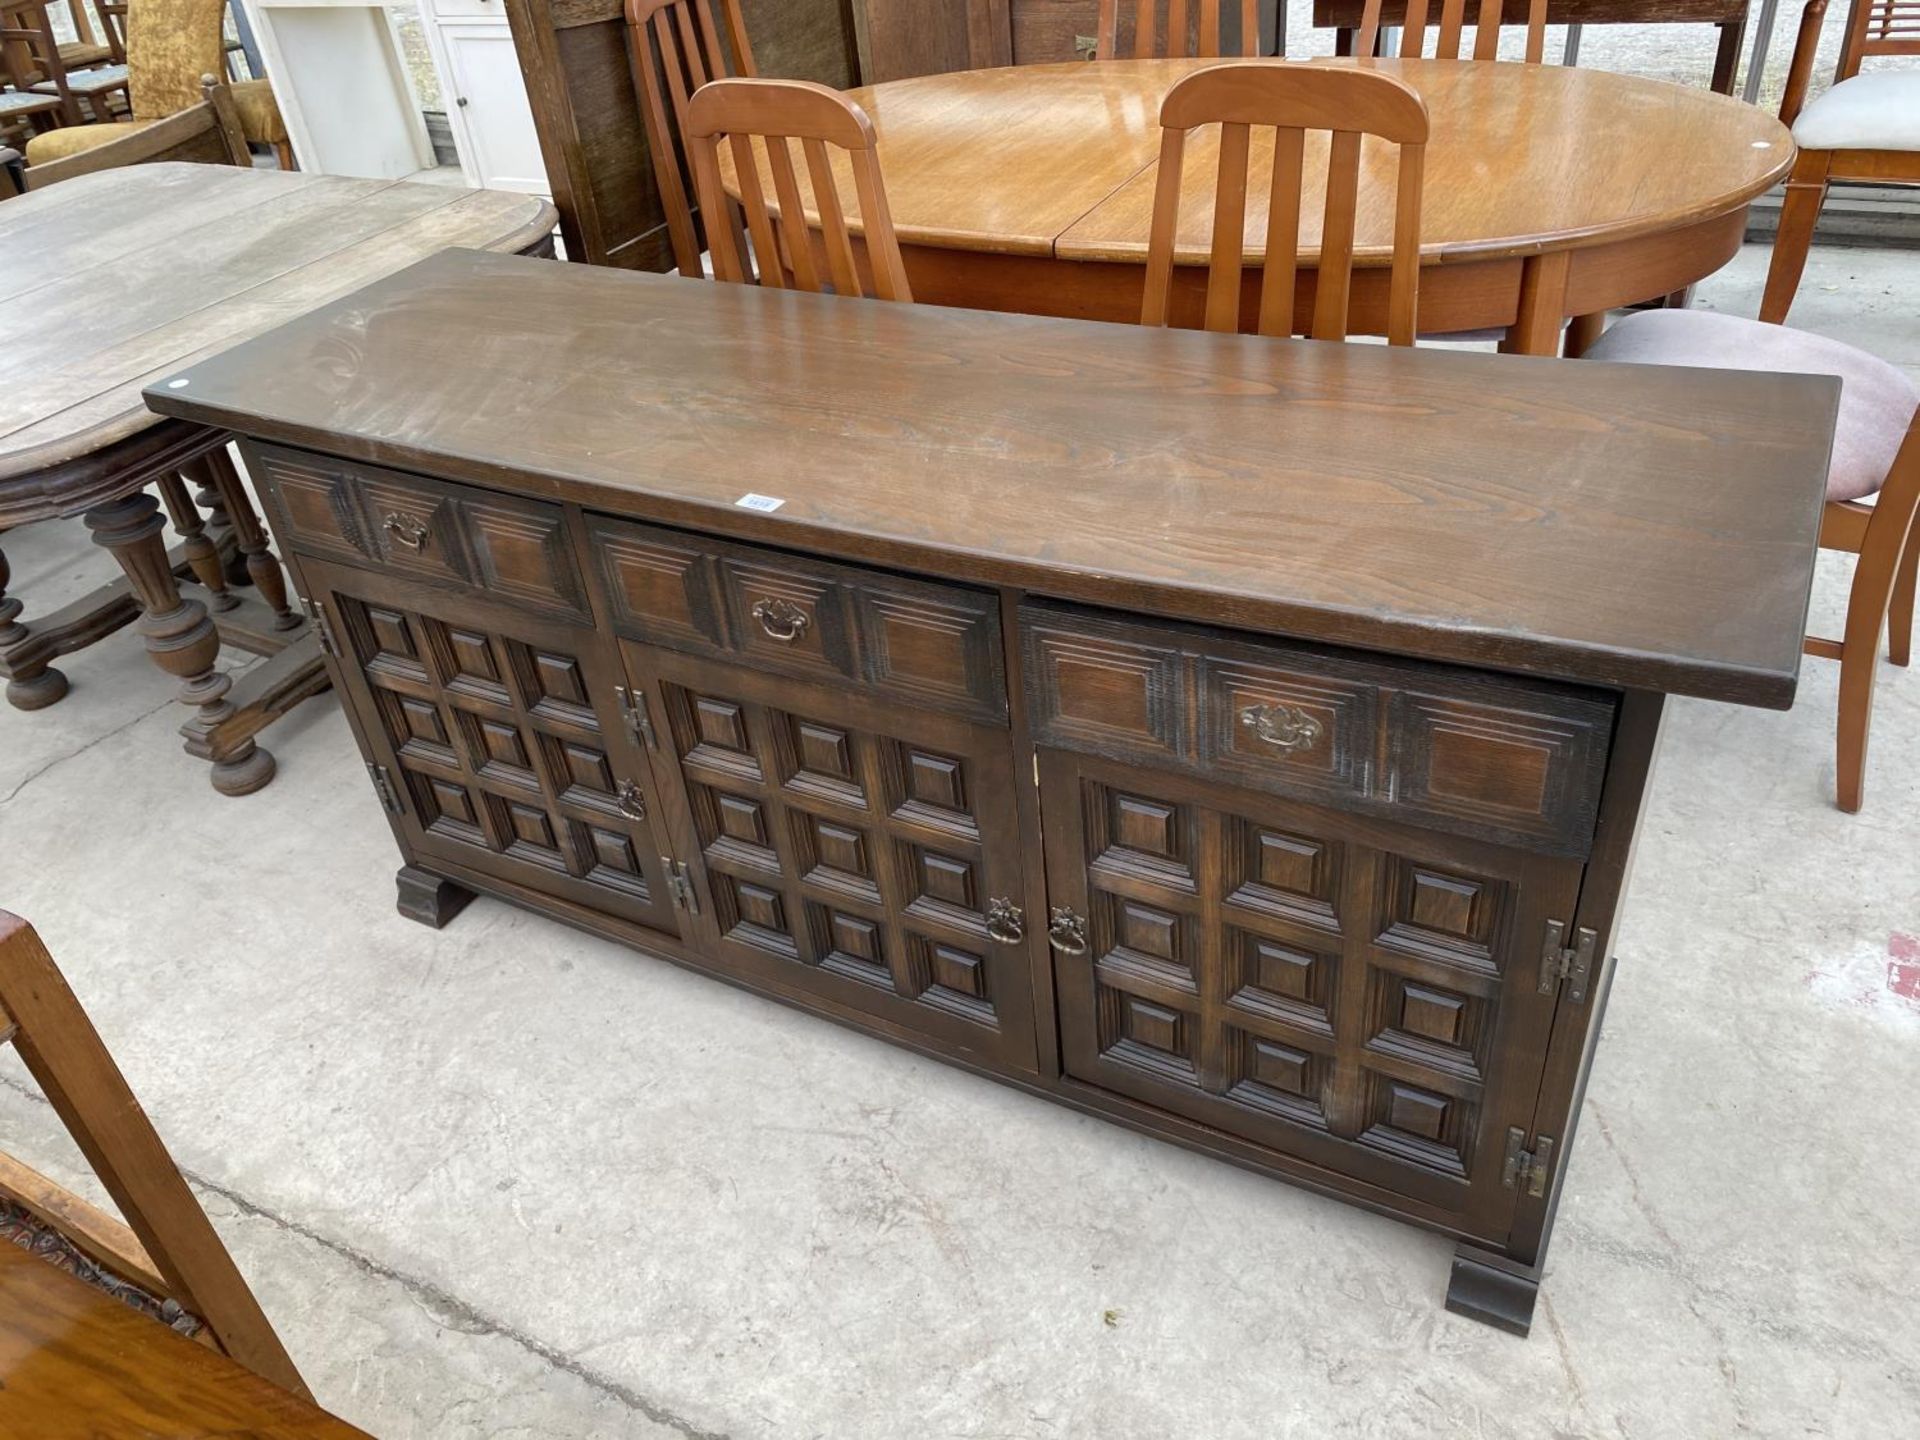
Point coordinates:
[[503, 743], [1360, 995], [512, 548], [1502, 758], [934, 646], [859, 851]]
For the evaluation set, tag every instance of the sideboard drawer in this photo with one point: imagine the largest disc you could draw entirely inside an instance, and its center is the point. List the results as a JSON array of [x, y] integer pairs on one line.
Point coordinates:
[[934, 646], [513, 548], [1502, 758]]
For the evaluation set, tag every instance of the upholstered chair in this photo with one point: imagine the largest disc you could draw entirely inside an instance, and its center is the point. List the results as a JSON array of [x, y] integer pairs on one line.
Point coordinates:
[[170, 44], [1873, 484]]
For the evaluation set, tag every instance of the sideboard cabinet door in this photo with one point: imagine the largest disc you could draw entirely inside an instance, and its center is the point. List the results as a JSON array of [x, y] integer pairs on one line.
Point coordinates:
[[1346, 992], [851, 849], [501, 740]]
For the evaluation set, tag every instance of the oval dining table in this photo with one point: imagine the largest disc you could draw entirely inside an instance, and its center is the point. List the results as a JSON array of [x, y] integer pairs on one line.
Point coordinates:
[[1551, 191]]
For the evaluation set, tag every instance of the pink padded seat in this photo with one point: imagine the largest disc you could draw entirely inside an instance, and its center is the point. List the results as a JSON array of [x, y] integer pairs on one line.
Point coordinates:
[[1877, 401]]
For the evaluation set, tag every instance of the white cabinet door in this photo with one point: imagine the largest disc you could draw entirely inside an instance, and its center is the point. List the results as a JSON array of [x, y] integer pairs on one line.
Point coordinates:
[[487, 108]]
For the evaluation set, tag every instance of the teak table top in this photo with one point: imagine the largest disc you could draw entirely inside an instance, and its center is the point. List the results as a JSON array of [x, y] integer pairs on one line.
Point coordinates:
[[75, 1361], [1624, 525], [112, 279], [1062, 160]]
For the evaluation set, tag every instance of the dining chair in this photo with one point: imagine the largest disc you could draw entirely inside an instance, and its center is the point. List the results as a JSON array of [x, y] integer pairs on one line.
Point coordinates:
[[1447, 36], [34, 64], [1291, 100], [674, 47], [165, 1257], [1876, 456], [170, 45], [1171, 28], [1864, 130], [208, 133], [779, 112]]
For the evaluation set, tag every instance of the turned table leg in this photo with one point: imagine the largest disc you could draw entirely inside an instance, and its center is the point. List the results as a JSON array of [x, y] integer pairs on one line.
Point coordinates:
[[179, 636], [263, 566], [219, 523], [203, 556], [32, 684]]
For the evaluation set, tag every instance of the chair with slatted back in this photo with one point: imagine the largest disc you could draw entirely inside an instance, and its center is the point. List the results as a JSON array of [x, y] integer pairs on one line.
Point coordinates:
[[1865, 130], [1447, 35], [675, 47], [165, 1258], [30, 53], [1171, 27], [778, 113], [1292, 101]]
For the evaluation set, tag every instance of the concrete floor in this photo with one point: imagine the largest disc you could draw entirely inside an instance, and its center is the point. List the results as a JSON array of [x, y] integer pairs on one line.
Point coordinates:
[[509, 1180]]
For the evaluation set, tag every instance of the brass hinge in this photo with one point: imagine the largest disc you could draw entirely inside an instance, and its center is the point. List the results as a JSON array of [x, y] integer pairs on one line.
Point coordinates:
[[633, 709], [383, 782], [1573, 964], [679, 885], [1527, 1169], [317, 613]]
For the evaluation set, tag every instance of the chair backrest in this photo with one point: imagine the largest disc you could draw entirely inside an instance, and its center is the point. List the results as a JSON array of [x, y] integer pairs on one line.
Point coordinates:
[[1447, 36], [1171, 27], [209, 132], [170, 44], [1292, 100], [166, 1247], [779, 112], [1879, 27], [674, 47], [30, 55]]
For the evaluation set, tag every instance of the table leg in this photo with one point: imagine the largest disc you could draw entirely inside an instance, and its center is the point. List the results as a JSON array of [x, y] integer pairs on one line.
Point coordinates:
[[219, 523], [32, 684], [263, 566], [1582, 331], [203, 556], [1543, 305], [179, 637]]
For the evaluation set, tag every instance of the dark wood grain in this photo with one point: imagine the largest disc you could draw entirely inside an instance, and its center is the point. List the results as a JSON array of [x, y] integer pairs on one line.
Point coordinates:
[[76, 1362], [1499, 511]]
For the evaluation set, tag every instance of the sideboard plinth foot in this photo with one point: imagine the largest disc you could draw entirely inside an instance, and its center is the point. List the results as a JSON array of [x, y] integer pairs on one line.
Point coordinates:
[[1492, 1289], [429, 898]]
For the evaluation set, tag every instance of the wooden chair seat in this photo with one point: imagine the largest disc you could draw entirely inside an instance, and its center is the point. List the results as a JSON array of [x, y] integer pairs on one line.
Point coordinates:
[[1876, 453], [21, 103], [103, 81], [80, 54], [1878, 110]]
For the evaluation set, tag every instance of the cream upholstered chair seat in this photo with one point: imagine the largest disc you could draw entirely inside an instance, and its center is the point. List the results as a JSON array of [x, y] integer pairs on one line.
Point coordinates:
[[1877, 401], [74, 139], [1878, 110]]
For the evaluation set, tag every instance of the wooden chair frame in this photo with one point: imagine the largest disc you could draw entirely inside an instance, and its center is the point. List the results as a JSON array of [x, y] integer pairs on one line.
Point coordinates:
[[1486, 30], [1884, 537], [1874, 27], [210, 131], [678, 42], [1197, 34], [1292, 99], [32, 59], [166, 1246], [779, 112]]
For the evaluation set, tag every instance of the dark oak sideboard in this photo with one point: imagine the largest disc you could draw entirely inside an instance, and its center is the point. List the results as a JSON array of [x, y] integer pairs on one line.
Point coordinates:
[[1242, 740]]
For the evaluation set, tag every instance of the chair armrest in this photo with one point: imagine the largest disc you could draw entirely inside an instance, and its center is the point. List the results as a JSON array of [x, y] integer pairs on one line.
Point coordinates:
[[1800, 71]]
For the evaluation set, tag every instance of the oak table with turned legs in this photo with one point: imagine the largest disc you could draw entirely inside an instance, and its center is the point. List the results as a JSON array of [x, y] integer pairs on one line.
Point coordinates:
[[113, 279], [1550, 192]]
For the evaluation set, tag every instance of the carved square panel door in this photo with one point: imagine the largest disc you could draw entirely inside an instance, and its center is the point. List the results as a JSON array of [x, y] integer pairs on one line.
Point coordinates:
[[1357, 995], [503, 743], [859, 851]]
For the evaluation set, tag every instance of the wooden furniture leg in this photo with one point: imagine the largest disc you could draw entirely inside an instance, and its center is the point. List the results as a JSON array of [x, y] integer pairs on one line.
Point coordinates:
[[1543, 305], [179, 636], [263, 566], [1900, 611], [219, 522], [1493, 1289], [428, 898], [203, 556], [32, 684], [1582, 331], [1806, 193], [1726, 55]]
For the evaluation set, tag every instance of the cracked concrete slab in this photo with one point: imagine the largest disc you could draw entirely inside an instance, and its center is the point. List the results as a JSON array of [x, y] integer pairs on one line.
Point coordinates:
[[508, 1178]]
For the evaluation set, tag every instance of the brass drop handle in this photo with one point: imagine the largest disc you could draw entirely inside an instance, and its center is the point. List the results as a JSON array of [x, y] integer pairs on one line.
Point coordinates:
[[1006, 922], [632, 803], [407, 530], [1285, 727], [781, 619], [1066, 931]]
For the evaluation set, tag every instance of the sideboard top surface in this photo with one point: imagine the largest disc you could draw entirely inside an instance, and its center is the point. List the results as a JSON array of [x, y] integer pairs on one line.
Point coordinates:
[[1631, 526]]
